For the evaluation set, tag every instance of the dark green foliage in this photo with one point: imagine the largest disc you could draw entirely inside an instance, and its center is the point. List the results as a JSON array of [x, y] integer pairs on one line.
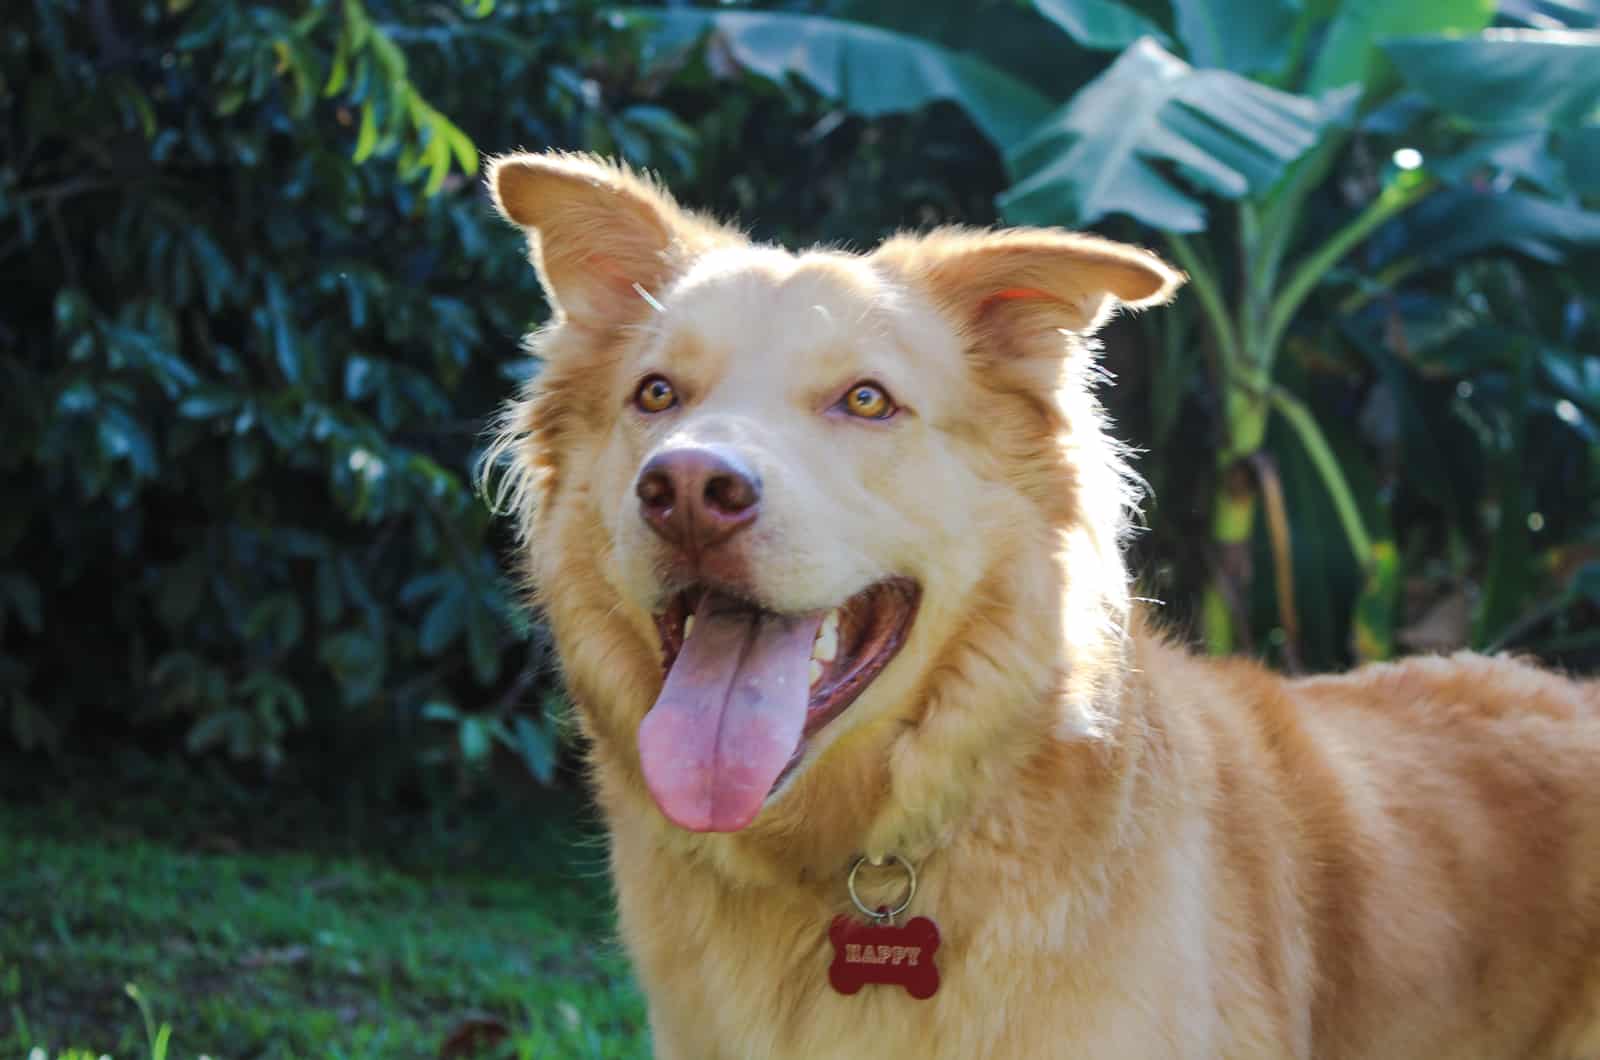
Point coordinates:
[[245, 375], [258, 315]]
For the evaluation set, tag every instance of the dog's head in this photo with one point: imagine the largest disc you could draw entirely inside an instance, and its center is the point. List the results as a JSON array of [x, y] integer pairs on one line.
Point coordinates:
[[821, 536]]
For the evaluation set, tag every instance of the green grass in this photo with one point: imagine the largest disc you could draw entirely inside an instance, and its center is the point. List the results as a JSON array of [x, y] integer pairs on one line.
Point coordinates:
[[285, 953]]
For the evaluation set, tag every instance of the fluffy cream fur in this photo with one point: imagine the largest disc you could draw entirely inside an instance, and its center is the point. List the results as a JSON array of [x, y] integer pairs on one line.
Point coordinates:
[[1130, 851]]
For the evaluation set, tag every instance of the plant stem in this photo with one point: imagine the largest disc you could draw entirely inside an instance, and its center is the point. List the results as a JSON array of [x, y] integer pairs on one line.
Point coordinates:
[[1380, 284], [1397, 197], [1305, 427], [1210, 295], [1280, 210]]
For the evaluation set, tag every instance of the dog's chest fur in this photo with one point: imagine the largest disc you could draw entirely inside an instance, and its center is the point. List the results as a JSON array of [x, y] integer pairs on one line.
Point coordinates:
[[733, 976]]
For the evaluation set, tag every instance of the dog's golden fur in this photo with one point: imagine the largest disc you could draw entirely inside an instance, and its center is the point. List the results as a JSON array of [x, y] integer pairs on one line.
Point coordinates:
[[1130, 851]]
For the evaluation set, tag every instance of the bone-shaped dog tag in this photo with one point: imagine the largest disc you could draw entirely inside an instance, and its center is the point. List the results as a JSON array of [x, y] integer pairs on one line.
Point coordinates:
[[881, 953]]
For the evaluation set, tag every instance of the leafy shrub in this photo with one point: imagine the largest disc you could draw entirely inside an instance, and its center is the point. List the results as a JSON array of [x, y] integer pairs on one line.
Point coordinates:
[[258, 314]]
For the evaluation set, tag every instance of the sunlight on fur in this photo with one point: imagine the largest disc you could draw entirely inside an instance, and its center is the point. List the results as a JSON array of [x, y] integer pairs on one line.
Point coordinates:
[[830, 546]]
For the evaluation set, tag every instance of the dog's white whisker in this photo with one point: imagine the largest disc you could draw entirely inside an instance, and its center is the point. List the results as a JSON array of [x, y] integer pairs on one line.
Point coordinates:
[[650, 299]]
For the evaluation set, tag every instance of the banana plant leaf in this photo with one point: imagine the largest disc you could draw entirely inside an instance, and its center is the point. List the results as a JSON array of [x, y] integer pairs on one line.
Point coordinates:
[[1102, 25], [1540, 14], [1521, 156], [1456, 222], [867, 70], [1350, 52], [1506, 79], [1580, 154], [1245, 36], [1104, 151], [1019, 38]]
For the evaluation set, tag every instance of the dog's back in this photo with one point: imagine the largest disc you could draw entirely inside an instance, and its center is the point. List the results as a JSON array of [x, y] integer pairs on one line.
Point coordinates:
[[1437, 823]]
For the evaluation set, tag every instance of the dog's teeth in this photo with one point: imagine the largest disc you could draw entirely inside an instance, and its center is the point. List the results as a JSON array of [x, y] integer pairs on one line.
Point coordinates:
[[816, 672], [688, 627], [826, 646]]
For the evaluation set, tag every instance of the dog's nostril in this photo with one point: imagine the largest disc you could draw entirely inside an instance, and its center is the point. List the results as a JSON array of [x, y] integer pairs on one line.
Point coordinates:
[[655, 489], [731, 493]]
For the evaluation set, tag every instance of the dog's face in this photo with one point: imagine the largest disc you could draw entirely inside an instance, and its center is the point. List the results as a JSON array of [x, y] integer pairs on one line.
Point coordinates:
[[773, 500]]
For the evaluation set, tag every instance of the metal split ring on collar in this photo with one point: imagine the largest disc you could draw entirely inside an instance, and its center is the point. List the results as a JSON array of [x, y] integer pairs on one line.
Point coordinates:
[[905, 903]]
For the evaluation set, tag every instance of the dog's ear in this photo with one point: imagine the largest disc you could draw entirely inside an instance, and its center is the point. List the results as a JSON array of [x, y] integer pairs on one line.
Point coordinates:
[[605, 241], [1019, 288]]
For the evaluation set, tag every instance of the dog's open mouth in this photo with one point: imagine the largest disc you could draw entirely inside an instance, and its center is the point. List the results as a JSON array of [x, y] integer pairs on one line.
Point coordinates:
[[746, 688]]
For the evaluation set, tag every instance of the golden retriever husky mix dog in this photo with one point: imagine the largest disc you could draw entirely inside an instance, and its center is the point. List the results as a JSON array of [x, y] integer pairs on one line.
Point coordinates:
[[890, 763]]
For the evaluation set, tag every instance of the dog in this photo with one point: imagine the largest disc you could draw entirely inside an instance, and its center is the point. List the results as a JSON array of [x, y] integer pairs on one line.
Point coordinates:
[[830, 546]]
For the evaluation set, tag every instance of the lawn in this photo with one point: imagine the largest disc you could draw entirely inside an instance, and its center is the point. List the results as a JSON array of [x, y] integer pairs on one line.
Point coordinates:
[[271, 947]]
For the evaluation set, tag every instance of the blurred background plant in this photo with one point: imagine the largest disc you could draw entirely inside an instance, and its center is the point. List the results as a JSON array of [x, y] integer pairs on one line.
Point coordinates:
[[258, 314]]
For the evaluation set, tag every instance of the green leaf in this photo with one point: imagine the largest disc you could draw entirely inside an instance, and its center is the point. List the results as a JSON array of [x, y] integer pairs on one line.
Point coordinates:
[[1580, 154], [461, 146], [439, 710], [214, 728], [1099, 24], [123, 437], [536, 744], [437, 156], [1373, 624], [1585, 585], [339, 73], [283, 340], [280, 618], [1103, 153], [474, 737], [1350, 53], [21, 595], [330, 601], [357, 662], [207, 402], [1506, 583], [358, 27], [444, 620], [1245, 36], [367, 137], [870, 71], [1506, 79], [483, 644], [1457, 222]]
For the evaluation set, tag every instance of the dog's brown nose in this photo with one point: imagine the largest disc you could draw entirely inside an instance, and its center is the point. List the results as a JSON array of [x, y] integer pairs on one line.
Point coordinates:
[[698, 496]]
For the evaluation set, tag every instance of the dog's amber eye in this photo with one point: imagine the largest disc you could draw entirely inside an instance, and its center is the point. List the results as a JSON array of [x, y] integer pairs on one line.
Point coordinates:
[[655, 395], [869, 401]]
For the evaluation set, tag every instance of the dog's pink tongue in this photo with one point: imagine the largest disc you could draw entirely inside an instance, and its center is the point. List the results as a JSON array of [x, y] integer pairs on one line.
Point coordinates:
[[729, 717]]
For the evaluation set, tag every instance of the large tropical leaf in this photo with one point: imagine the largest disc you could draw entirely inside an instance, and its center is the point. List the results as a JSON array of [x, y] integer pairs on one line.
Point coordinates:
[[1506, 79], [1580, 152], [867, 70], [1456, 222], [1019, 38], [1350, 52], [1099, 24], [1245, 36], [1540, 14], [1103, 152]]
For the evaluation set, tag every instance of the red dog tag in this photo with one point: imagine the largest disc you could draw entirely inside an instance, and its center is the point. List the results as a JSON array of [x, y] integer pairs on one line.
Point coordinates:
[[882, 953]]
